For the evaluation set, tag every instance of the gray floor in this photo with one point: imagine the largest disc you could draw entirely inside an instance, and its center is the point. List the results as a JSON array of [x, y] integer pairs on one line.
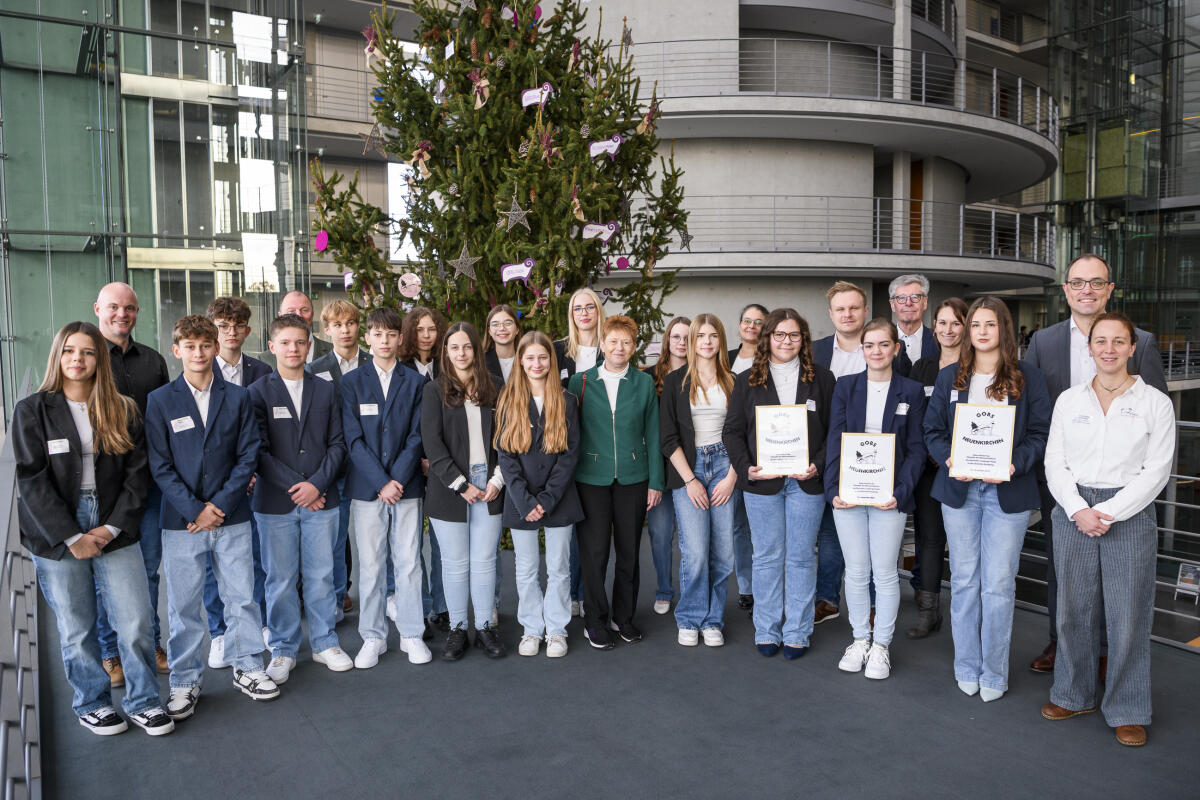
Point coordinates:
[[647, 720]]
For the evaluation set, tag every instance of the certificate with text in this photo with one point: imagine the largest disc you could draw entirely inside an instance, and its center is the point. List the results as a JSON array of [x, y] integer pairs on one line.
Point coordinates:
[[981, 442], [782, 439], [868, 468]]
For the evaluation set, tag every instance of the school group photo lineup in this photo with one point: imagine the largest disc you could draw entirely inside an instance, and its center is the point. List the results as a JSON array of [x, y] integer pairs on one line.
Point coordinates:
[[781, 466]]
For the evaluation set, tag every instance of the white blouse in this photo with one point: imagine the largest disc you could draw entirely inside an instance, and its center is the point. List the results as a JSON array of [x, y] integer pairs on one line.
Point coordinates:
[[977, 393], [586, 359]]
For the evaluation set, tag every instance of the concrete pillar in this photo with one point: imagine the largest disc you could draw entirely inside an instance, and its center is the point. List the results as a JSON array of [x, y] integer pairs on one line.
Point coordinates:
[[901, 191], [902, 53]]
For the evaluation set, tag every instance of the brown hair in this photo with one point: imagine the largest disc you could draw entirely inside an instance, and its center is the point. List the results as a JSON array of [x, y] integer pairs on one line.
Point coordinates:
[[109, 411], [408, 334], [844, 286], [663, 367], [194, 326], [1115, 316], [880, 324], [724, 374], [956, 305], [1009, 380], [284, 321], [503, 308], [338, 309], [233, 309], [479, 389], [512, 409], [1081, 257], [388, 319], [762, 354]]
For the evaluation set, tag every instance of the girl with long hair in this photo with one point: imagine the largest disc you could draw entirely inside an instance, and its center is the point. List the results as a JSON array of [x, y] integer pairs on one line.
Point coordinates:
[[986, 519], [500, 333], [463, 495], [537, 441], [784, 510], [701, 479], [421, 341], [82, 477]]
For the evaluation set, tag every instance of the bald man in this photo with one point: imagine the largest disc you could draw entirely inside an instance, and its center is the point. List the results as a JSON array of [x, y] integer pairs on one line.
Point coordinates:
[[297, 302], [137, 371]]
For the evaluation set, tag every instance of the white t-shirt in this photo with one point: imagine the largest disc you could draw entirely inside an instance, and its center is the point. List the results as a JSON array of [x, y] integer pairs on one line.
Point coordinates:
[[708, 415], [506, 366], [740, 364], [977, 394], [540, 402], [295, 390], [876, 398], [87, 442], [586, 358]]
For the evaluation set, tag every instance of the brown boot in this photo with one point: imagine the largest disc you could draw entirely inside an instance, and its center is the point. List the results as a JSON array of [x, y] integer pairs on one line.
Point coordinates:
[[1055, 712], [1131, 735], [160, 661], [929, 618], [1045, 662], [116, 673]]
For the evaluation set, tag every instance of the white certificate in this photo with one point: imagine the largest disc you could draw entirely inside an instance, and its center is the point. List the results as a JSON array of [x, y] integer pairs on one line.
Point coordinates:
[[782, 439], [982, 441], [868, 468]]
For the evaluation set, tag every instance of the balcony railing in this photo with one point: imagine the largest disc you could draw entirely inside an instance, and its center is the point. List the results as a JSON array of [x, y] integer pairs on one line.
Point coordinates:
[[942, 14], [793, 223], [822, 68], [339, 92]]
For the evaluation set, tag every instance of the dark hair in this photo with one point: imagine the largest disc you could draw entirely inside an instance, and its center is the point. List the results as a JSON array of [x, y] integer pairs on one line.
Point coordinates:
[[880, 324], [288, 321], [1077, 259], [760, 309], [1009, 380], [233, 309], [481, 391], [956, 305], [386, 318], [1115, 316], [408, 336], [659, 373], [503, 308], [762, 353], [194, 326]]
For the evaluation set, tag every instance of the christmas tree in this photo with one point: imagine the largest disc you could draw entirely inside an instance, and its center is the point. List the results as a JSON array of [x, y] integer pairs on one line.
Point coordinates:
[[533, 169]]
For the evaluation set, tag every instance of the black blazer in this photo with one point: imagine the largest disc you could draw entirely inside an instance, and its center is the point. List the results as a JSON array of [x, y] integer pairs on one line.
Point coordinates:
[[304, 444], [1050, 351], [925, 371], [448, 448], [903, 413], [822, 350], [412, 364], [492, 359], [740, 438], [675, 423], [536, 477], [566, 364], [48, 477]]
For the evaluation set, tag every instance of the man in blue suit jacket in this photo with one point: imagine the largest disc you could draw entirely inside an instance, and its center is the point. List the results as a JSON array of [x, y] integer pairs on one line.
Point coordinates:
[[909, 297], [381, 417], [202, 443], [296, 499]]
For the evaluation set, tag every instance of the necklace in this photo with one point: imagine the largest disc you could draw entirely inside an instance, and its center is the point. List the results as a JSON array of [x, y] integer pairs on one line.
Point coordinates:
[[1113, 389]]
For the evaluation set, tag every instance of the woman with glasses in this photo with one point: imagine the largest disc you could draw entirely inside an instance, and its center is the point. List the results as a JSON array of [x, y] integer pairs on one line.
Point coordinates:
[[750, 323], [784, 510], [985, 518], [500, 334]]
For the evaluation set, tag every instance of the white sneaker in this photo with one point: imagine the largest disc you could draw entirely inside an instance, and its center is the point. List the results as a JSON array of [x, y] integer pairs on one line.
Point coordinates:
[[389, 608], [576, 608], [418, 652], [879, 663], [103, 722], [255, 684], [216, 653], [335, 658], [713, 637], [280, 668], [689, 637], [266, 632], [855, 656], [369, 655], [529, 645], [182, 702], [556, 646], [662, 606]]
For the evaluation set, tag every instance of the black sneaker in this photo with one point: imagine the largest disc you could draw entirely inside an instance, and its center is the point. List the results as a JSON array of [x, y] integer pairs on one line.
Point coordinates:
[[103, 722], [745, 602], [488, 640], [598, 638], [629, 633], [442, 621], [456, 645], [153, 721]]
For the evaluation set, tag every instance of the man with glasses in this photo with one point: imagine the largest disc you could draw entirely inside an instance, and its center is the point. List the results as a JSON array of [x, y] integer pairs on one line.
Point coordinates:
[[909, 296], [1061, 353]]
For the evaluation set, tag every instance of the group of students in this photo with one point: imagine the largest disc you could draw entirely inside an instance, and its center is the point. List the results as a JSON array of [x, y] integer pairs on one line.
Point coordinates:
[[503, 431]]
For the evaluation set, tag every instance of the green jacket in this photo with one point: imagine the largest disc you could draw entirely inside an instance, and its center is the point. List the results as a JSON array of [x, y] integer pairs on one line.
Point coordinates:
[[619, 446]]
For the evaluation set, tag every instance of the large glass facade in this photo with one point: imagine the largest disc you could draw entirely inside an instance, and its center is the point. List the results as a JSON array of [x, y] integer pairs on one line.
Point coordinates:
[[161, 142]]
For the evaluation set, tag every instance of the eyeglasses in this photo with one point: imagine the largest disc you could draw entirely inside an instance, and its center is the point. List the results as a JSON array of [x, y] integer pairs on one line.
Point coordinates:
[[589, 308], [783, 336], [678, 338], [226, 327], [1096, 283], [758, 323], [907, 299], [501, 323]]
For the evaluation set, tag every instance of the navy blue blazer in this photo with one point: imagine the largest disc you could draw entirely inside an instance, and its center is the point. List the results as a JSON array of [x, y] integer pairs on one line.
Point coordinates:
[[326, 367], [193, 463], [849, 415], [302, 444], [535, 477], [385, 445], [1029, 445], [252, 370], [822, 350]]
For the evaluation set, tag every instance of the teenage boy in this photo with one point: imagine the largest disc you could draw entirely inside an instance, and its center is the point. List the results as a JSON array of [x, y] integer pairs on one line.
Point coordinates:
[[203, 443], [381, 414], [231, 315], [295, 499]]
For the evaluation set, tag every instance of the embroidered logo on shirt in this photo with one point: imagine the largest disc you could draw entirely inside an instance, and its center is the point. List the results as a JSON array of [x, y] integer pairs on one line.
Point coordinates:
[[1081, 419]]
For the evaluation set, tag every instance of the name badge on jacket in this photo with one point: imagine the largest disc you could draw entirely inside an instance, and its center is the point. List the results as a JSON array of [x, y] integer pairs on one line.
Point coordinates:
[[929, 391], [810, 404], [281, 412], [181, 424], [954, 395], [902, 409], [368, 410], [325, 376], [57, 446]]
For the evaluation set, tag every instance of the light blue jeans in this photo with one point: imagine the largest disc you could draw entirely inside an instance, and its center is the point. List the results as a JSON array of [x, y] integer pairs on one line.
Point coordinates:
[[150, 544], [705, 546], [784, 531], [379, 529], [743, 548], [294, 545], [548, 615], [661, 522], [69, 586], [184, 558], [985, 551], [870, 542], [469, 557]]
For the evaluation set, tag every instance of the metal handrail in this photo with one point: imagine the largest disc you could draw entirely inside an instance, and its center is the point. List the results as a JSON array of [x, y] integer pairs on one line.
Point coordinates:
[[824, 68], [1181, 360]]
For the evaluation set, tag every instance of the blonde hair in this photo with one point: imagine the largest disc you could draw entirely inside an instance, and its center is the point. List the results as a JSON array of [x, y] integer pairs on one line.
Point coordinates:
[[109, 411], [724, 374], [572, 331], [512, 409], [339, 309]]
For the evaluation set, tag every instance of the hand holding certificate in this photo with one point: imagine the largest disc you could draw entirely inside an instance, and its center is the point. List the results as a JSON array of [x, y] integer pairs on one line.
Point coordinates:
[[868, 467], [981, 443], [782, 440]]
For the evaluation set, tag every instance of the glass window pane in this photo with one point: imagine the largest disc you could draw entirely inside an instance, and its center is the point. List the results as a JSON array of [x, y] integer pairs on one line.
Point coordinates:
[[197, 171], [168, 183]]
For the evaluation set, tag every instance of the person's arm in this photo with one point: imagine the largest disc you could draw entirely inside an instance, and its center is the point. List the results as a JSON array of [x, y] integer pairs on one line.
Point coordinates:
[[1150, 365], [356, 443], [823, 390], [937, 419], [1059, 478], [335, 448], [833, 442], [54, 519], [650, 435], [233, 491], [270, 468], [441, 463], [518, 487], [1032, 447], [404, 467], [733, 433], [1156, 466], [162, 464], [668, 419], [910, 468], [562, 475], [130, 505]]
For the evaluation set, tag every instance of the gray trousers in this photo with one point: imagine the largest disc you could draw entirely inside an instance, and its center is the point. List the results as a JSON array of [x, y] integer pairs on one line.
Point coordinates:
[[1105, 584]]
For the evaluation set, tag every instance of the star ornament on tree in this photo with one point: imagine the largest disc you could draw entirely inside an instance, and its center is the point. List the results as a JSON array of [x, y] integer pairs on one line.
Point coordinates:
[[465, 264], [463, 5], [685, 239], [515, 216]]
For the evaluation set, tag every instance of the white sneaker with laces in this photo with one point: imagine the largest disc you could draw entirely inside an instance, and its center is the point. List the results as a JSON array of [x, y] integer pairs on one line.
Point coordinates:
[[369, 655], [255, 684], [662, 606], [389, 608], [855, 656], [689, 637], [713, 637], [153, 721], [103, 722], [418, 651], [529, 645], [216, 653], [280, 668], [335, 658], [556, 646], [182, 702], [879, 663]]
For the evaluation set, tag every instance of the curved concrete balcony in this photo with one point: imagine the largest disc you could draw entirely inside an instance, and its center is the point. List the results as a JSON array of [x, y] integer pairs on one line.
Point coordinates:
[[1002, 129], [934, 22], [869, 236]]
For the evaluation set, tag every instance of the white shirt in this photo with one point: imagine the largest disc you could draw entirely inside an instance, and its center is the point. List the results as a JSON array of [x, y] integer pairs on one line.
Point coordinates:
[[787, 380], [1130, 448], [506, 366], [977, 393], [312, 347], [1083, 366], [912, 342], [424, 369], [876, 398], [612, 382], [385, 378], [201, 396], [740, 364], [844, 363], [87, 442], [477, 452], [708, 415], [344, 365], [540, 402], [232, 372], [586, 358], [295, 390]]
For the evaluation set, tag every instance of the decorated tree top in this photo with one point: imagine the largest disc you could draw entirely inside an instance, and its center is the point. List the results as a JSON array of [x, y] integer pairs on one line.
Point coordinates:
[[533, 167]]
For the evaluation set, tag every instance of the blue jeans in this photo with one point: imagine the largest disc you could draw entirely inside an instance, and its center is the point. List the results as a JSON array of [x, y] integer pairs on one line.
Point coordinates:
[[705, 546], [184, 557], [548, 614], [784, 529], [150, 544], [661, 522], [212, 597], [985, 551], [831, 564], [294, 545], [469, 557], [870, 542], [433, 594], [69, 586], [743, 548], [380, 529], [341, 573]]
